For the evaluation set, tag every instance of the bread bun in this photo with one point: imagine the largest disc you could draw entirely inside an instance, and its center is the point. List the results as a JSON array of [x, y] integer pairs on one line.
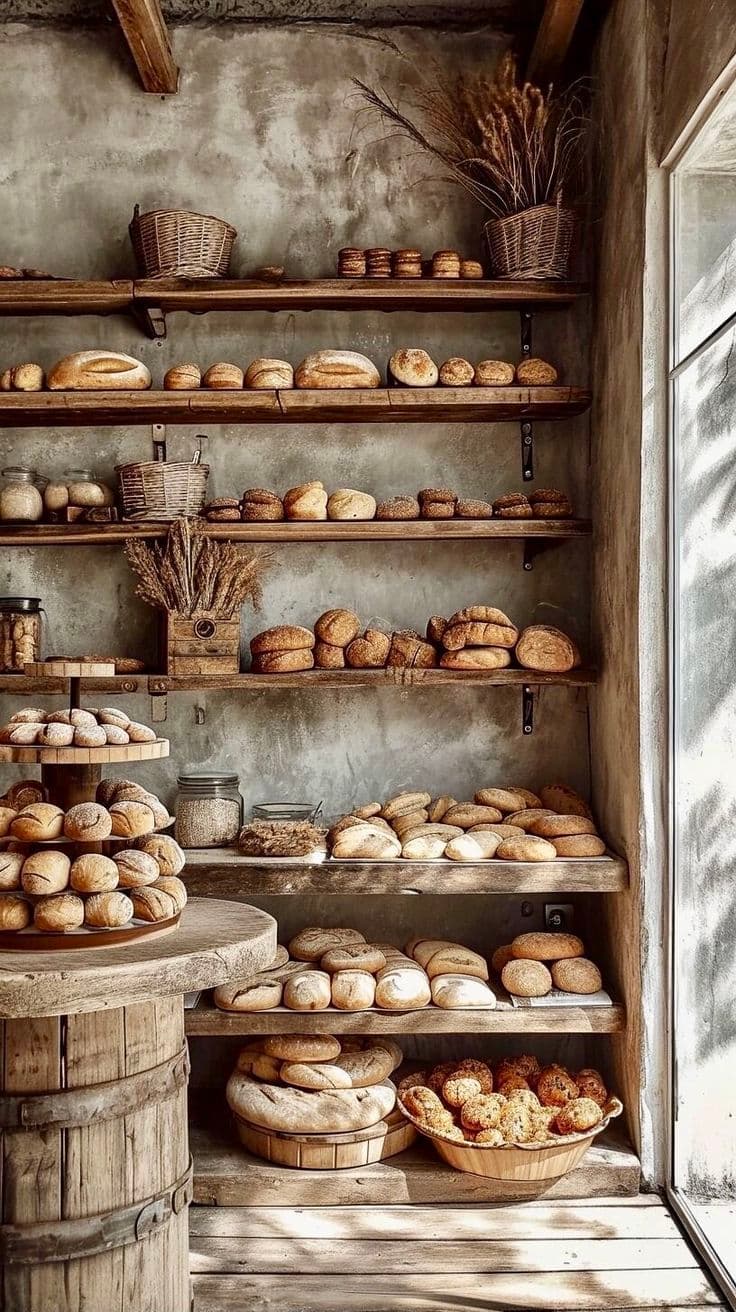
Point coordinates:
[[165, 851], [576, 975], [93, 873], [108, 910], [346, 503], [473, 847], [161, 817], [183, 378], [31, 715], [308, 501], [456, 372], [409, 652], [353, 990], [458, 991], [45, 872], [327, 657], [547, 946], [39, 822], [402, 988], [283, 662], [22, 735], [59, 914], [494, 373], [260, 505], [579, 845], [353, 956], [55, 735], [413, 367], [90, 736], [366, 842], [336, 369], [526, 979], [175, 889], [15, 913], [467, 814], [7, 816], [11, 864], [310, 944], [283, 637], [152, 904], [528, 848], [88, 822], [370, 652], [423, 847], [131, 819], [454, 959], [223, 378], [136, 869], [337, 627], [564, 800], [476, 658], [311, 991], [401, 507], [27, 378], [527, 818], [24, 793], [259, 993], [534, 372], [115, 735], [265, 374], [404, 804], [473, 508], [140, 733], [542, 647], [98, 371]]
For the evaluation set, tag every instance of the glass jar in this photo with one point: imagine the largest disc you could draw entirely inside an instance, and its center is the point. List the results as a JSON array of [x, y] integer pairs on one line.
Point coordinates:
[[287, 811], [84, 489], [20, 632], [209, 810], [20, 499]]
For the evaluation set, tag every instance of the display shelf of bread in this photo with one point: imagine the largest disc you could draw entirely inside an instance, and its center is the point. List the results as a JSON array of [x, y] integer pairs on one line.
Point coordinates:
[[312, 503]]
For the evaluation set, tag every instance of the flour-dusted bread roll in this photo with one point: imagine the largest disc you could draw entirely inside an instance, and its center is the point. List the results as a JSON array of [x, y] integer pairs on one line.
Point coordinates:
[[140, 733], [93, 873], [266, 374], [108, 910], [88, 822], [131, 819], [424, 847], [38, 822], [353, 956], [339, 369], [402, 987], [478, 846], [15, 912], [366, 842], [576, 975], [460, 991], [7, 816], [165, 851], [310, 991], [258, 993], [310, 944], [298, 1111], [347, 503], [55, 735], [152, 904], [98, 371], [413, 367], [353, 990], [174, 888], [136, 869], [337, 627], [11, 864], [367, 1066], [45, 872], [301, 1047], [59, 914]]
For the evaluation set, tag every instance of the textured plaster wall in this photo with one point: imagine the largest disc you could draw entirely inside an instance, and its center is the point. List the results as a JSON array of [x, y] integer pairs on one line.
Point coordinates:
[[700, 42]]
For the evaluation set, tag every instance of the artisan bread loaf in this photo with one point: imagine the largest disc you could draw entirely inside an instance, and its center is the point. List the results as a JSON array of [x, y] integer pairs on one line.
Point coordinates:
[[11, 864], [561, 826], [312, 943], [223, 377], [456, 372], [367, 1066], [527, 848], [283, 637], [455, 959], [174, 888], [152, 904], [301, 1047], [310, 991], [504, 799], [7, 816], [534, 372], [476, 633], [402, 987], [346, 503], [353, 956], [283, 662], [131, 819], [424, 847], [467, 814], [88, 822], [353, 990], [404, 804], [542, 647], [165, 851], [576, 975], [413, 367], [526, 819], [15, 912], [266, 374], [182, 378], [93, 873], [59, 914], [298, 1111], [493, 373], [561, 798], [258, 993], [476, 658], [577, 845], [107, 910], [45, 872], [337, 627], [340, 369], [369, 652], [136, 869], [315, 1075], [409, 652], [38, 822], [308, 501], [451, 991], [367, 842], [98, 371], [547, 946], [527, 979]]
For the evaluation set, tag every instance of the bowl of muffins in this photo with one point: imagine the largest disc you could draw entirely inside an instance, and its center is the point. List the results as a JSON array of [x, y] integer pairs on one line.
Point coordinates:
[[512, 1120]]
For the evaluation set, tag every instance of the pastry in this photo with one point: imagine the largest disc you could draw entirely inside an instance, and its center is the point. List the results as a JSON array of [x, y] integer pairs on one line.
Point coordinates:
[[542, 647], [93, 873], [535, 373], [306, 502], [336, 369], [38, 822], [102, 371], [456, 372], [15, 912], [152, 904], [265, 374], [370, 651], [547, 946], [526, 979], [578, 845], [223, 378], [108, 910], [577, 975], [413, 367], [401, 507], [165, 851], [131, 819], [45, 872], [561, 798], [494, 373], [577, 1116], [513, 505], [310, 991], [136, 869], [11, 864], [472, 508], [182, 378], [471, 269], [337, 627], [446, 264], [59, 914], [527, 848], [283, 637], [88, 822]]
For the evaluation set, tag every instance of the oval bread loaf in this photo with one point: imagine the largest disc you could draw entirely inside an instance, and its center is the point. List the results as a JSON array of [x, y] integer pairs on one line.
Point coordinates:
[[347, 503], [297, 1111], [15, 912], [401, 988], [451, 991], [259, 993], [526, 819], [561, 826], [473, 847], [527, 979], [457, 960], [59, 914], [45, 872], [542, 647], [564, 800], [366, 842], [311, 991], [541, 946], [476, 658], [11, 864], [353, 990], [353, 956], [301, 1047], [310, 944], [336, 369], [577, 975], [576, 845], [98, 371], [315, 1075], [420, 847], [527, 848], [369, 1066], [503, 799]]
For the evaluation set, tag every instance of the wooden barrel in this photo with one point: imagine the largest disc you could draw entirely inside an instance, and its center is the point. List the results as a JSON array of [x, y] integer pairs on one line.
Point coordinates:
[[95, 1170]]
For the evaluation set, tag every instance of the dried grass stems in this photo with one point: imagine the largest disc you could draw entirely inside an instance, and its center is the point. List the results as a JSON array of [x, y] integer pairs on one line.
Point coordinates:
[[509, 144], [193, 574]]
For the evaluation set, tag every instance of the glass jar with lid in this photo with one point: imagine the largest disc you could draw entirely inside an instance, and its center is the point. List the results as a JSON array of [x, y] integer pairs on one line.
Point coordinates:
[[276, 811], [21, 501], [85, 489], [209, 809], [20, 632]]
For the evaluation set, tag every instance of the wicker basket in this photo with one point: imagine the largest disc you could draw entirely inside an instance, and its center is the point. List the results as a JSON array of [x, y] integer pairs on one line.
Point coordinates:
[[524, 1163], [162, 490], [181, 244], [535, 244]]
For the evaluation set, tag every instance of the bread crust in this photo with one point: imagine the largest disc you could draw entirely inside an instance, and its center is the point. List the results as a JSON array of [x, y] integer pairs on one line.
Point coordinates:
[[503, 799], [337, 627], [456, 372], [107, 910], [59, 914], [541, 946], [542, 647], [353, 990], [309, 991], [577, 975], [336, 369], [15, 912], [265, 373], [413, 367]]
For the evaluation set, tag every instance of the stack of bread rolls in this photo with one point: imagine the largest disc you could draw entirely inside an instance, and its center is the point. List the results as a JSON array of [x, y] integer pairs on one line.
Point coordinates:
[[501, 823], [33, 726], [381, 262], [458, 976], [535, 963], [312, 502], [513, 1101], [314, 1083]]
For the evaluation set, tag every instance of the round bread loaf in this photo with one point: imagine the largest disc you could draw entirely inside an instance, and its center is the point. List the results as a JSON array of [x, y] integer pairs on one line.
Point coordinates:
[[45, 872], [93, 873], [369, 652], [175, 889], [31, 715], [283, 662], [108, 910], [152, 904], [308, 501], [98, 371], [38, 823], [346, 503], [353, 990], [528, 848], [136, 869], [258, 993], [561, 826], [182, 378], [55, 735], [297, 1111], [336, 369], [283, 637], [456, 959], [92, 735], [88, 822], [578, 975], [424, 847], [131, 819], [526, 979], [542, 647], [24, 793], [337, 627], [473, 508], [476, 658], [494, 373], [223, 377], [481, 846], [165, 851], [547, 946], [7, 816], [534, 372], [413, 367], [402, 988], [59, 914], [465, 814], [301, 1047], [265, 374], [528, 817], [161, 817], [353, 956], [577, 845], [327, 657], [564, 800], [456, 372], [312, 943], [370, 1065], [400, 507], [502, 798], [15, 912], [11, 864], [22, 735], [458, 991], [308, 992], [118, 790]]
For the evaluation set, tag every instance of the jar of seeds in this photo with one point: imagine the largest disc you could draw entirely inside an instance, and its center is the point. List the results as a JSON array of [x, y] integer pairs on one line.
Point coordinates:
[[209, 810]]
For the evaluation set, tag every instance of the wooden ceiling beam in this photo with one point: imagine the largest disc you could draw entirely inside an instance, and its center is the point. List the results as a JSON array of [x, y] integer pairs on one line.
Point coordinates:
[[553, 40], [145, 31]]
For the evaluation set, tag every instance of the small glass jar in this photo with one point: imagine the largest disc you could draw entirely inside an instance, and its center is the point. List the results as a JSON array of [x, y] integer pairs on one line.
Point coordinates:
[[20, 499], [209, 810], [20, 632], [84, 489]]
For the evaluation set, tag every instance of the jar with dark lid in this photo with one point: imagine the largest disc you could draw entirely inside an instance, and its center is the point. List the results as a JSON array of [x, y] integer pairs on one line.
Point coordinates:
[[20, 632], [209, 809]]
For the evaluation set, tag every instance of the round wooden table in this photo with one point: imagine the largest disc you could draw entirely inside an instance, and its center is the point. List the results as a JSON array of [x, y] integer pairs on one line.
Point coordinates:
[[95, 1167]]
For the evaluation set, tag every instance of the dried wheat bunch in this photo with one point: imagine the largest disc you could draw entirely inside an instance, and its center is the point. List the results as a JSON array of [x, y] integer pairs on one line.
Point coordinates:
[[509, 144], [192, 573]]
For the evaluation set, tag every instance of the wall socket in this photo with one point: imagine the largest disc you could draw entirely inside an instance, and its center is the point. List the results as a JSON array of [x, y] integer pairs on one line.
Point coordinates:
[[559, 916]]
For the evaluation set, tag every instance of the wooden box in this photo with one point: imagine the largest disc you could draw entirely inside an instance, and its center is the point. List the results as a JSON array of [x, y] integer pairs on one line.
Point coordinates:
[[200, 644]]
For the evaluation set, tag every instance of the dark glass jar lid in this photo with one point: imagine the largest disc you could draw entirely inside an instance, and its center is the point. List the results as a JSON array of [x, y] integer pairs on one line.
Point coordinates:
[[208, 778], [20, 603]]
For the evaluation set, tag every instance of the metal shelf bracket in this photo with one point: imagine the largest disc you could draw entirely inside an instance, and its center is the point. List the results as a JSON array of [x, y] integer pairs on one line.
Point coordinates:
[[527, 450], [527, 710]]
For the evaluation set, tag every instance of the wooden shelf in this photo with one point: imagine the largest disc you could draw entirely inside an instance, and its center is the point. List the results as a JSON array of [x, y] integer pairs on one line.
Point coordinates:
[[206, 1018], [543, 531], [371, 405], [62, 296], [153, 751], [223, 872], [225, 1175]]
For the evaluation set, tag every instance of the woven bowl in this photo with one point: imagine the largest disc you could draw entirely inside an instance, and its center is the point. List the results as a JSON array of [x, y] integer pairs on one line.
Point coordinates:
[[523, 1163], [535, 244], [181, 244]]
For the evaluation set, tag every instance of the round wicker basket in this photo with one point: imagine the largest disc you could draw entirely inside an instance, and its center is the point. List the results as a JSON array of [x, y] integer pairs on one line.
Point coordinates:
[[181, 244], [162, 490], [535, 244], [523, 1163]]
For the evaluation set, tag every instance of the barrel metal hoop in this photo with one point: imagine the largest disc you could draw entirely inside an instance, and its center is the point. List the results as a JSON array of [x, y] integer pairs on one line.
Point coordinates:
[[63, 1241], [90, 1103]]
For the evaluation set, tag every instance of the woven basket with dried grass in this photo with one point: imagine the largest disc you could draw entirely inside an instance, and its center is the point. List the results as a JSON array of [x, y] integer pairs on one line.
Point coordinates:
[[517, 150]]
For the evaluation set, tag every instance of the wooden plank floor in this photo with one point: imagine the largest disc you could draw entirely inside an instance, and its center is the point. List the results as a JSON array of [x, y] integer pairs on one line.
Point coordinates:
[[588, 1255]]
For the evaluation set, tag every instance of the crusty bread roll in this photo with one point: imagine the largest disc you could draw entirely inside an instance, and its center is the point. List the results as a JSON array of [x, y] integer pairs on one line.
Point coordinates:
[[183, 378], [161, 817], [404, 804], [534, 372], [576, 975], [308, 501], [174, 888], [27, 378], [476, 658], [477, 846], [404, 824], [460, 990], [11, 864], [353, 990], [59, 914], [98, 371], [402, 988], [45, 872], [223, 377], [347, 503], [301, 1047], [370, 652], [93, 873], [503, 799], [301, 1111], [32, 715], [115, 735], [327, 657], [22, 735], [476, 633], [90, 736], [140, 733], [38, 822], [108, 910], [563, 799], [527, 848], [55, 735], [310, 944], [541, 945], [165, 851], [339, 369], [136, 869], [88, 822], [527, 979], [131, 819], [15, 912], [337, 627], [423, 949], [456, 372], [265, 374], [113, 715], [283, 662], [527, 818], [7, 816], [366, 842], [258, 993], [542, 647], [314, 1075], [455, 959], [493, 373], [413, 367], [370, 1065], [467, 814], [353, 956], [283, 637], [409, 652], [561, 826], [577, 845], [310, 991], [152, 904], [424, 847]]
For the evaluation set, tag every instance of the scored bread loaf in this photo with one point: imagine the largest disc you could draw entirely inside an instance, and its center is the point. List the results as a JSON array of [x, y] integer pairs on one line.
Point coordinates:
[[340, 369], [353, 990], [11, 864], [93, 873], [297, 1111], [402, 985], [268, 374], [476, 658], [337, 627], [107, 910], [258, 993], [367, 842], [315, 1075], [309, 991], [101, 371], [312, 943], [460, 991], [456, 960], [45, 872], [542, 647]]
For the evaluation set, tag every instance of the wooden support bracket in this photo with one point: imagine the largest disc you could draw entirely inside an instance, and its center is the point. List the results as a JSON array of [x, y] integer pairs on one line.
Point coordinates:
[[553, 40], [145, 31]]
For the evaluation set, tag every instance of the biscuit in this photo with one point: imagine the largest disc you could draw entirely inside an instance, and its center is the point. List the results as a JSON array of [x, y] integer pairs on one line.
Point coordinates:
[[577, 1116]]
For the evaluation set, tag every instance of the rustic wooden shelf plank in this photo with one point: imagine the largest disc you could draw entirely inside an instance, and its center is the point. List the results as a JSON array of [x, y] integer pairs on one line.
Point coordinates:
[[423, 530], [65, 296], [376, 405], [224, 872], [206, 1018]]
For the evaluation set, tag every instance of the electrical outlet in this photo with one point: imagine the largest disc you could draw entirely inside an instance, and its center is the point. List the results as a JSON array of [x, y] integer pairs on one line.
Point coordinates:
[[559, 916]]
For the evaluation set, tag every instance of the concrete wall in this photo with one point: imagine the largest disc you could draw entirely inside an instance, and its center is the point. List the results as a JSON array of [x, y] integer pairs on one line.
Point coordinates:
[[700, 42]]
